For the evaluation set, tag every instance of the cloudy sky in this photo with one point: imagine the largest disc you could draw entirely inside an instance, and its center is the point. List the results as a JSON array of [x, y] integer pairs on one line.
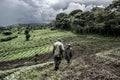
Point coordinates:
[[41, 11]]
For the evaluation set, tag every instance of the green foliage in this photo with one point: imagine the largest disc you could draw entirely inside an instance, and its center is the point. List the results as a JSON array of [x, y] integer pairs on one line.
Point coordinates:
[[102, 21], [27, 34], [62, 21], [8, 38], [114, 6], [75, 12], [7, 33]]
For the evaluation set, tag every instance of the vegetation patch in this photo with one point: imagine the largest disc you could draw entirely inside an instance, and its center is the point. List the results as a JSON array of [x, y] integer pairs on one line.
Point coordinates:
[[110, 57], [7, 38], [7, 33], [22, 72]]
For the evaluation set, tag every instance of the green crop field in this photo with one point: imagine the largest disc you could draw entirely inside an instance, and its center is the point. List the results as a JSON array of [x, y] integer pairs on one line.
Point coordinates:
[[41, 41]]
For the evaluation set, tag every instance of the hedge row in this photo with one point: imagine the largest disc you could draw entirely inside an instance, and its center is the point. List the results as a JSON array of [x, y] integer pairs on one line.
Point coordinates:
[[8, 38]]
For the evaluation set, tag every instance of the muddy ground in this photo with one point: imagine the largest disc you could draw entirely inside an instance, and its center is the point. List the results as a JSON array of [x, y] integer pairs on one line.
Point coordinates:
[[85, 65]]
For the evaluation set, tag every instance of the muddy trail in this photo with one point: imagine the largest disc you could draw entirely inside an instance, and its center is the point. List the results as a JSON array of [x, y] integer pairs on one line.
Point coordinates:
[[85, 65]]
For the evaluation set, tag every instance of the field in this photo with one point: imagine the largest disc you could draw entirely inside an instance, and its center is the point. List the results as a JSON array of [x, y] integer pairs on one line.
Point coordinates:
[[95, 57], [41, 42]]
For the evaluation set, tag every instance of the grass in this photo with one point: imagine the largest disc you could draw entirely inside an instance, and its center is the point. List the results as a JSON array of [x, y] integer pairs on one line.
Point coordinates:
[[110, 56], [41, 42], [22, 72]]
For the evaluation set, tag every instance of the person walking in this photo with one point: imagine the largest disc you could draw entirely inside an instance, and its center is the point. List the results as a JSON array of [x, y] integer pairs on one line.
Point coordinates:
[[68, 53], [58, 50]]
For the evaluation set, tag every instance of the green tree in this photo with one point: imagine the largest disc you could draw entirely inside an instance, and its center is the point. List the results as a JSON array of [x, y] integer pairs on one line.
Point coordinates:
[[75, 12], [114, 6], [62, 21]]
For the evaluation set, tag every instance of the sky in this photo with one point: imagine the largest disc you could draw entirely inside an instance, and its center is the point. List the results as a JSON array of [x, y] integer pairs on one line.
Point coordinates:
[[42, 11]]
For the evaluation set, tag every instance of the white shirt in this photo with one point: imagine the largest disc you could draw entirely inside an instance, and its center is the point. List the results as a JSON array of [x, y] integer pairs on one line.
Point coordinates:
[[58, 46]]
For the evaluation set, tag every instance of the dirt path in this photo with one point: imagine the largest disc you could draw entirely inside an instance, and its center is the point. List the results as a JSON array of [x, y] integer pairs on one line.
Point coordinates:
[[85, 66]]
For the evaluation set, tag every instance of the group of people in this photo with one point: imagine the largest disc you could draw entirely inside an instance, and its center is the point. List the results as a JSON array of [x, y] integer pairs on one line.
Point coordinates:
[[60, 51]]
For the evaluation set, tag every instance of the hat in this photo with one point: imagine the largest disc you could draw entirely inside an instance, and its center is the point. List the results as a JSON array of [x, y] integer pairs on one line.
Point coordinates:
[[59, 39], [69, 45]]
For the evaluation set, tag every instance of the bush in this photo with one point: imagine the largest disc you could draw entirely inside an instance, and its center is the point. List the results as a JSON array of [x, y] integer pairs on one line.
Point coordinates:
[[7, 33], [53, 28], [8, 38]]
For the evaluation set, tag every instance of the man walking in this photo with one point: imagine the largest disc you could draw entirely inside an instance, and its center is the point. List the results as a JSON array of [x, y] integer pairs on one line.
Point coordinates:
[[58, 53]]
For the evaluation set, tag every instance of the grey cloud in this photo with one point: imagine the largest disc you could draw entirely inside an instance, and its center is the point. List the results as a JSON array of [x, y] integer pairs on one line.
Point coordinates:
[[94, 2], [40, 11]]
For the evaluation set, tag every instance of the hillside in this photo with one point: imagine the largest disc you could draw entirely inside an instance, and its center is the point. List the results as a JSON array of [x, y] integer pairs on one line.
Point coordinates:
[[40, 42], [95, 58], [29, 28]]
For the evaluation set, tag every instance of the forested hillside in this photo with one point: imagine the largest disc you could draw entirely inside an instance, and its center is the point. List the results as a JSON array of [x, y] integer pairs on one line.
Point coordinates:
[[102, 21]]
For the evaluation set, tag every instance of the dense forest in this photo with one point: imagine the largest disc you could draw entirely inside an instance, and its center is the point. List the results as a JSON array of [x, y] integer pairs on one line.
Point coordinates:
[[101, 21]]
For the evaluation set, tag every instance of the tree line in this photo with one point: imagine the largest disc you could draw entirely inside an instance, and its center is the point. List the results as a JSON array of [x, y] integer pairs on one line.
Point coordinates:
[[102, 21]]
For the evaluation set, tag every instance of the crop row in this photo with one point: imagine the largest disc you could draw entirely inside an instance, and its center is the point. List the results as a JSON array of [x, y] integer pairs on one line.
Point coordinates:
[[41, 42]]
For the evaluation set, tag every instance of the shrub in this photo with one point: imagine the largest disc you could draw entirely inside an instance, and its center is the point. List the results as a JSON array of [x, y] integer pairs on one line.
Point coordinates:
[[8, 38], [53, 28], [7, 33]]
